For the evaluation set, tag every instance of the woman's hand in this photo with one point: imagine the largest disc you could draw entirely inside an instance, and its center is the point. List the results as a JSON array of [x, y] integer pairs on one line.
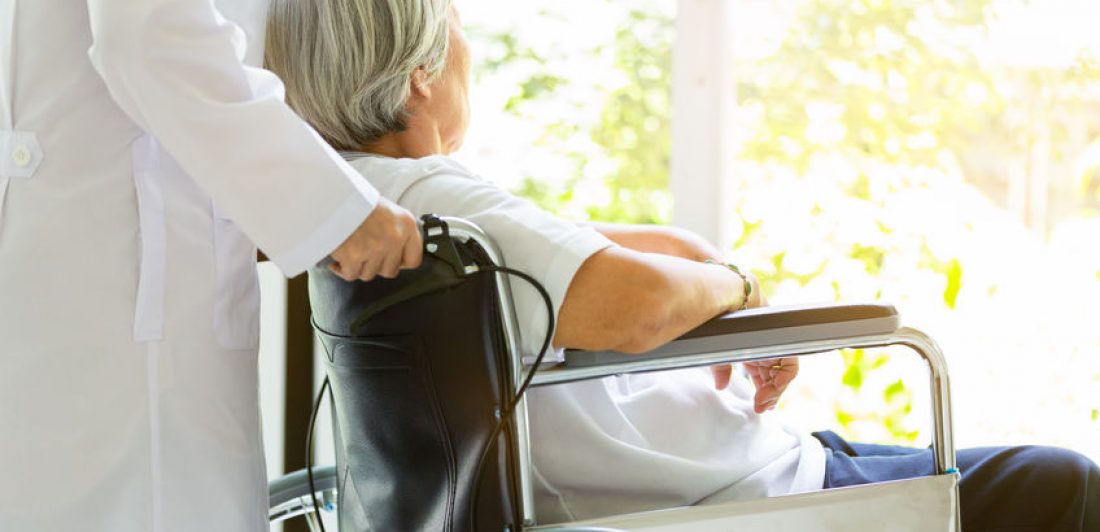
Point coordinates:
[[770, 377]]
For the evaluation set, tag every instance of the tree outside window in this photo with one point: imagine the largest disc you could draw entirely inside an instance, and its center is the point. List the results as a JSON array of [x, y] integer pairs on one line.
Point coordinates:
[[943, 156]]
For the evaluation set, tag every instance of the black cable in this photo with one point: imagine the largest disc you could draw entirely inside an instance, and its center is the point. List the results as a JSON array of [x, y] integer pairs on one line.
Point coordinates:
[[509, 409], [309, 453]]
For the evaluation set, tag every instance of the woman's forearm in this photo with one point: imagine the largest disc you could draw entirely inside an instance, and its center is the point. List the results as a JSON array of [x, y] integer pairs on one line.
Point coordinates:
[[630, 301]]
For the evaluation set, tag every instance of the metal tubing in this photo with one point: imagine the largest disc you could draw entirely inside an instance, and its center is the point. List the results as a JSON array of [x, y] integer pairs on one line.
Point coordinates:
[[943, 442], [467, 230], [298, 506], [563, 374]]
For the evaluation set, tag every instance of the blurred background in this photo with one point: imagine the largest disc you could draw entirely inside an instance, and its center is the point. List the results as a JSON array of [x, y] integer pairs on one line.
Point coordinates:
[[940, 155], [943, 156]]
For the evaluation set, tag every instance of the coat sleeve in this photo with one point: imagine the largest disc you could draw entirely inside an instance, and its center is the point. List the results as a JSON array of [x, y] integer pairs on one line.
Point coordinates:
[[177, 68]]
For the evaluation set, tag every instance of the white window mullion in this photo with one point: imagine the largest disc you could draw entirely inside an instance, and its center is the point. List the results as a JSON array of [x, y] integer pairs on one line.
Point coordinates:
[[703, 101]]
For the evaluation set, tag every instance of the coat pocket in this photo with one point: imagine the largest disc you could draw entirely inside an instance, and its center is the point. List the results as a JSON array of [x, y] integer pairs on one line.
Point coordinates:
[[237, 304]]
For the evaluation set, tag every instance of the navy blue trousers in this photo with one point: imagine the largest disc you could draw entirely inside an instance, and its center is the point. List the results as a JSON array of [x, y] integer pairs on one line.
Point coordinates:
[[1014, 489]]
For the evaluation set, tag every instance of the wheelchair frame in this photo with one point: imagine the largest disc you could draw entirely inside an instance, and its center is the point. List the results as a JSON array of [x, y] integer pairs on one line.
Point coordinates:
[[290, 495]]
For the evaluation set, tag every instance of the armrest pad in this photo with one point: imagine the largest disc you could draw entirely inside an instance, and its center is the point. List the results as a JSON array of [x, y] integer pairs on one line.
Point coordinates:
[[762, 327]]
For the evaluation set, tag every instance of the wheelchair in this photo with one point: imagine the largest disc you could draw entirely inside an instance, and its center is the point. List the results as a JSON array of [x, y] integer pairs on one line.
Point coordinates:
[[921, 504]]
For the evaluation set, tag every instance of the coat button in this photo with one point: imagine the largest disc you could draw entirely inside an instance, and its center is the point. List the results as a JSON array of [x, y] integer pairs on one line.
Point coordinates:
[[21, 155]]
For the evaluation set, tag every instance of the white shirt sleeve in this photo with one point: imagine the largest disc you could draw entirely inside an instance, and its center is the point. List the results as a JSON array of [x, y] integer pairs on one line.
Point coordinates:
[[176, 67], [531, 240]]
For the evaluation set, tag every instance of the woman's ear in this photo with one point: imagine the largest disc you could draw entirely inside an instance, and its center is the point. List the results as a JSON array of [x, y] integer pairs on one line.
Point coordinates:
[[420, 85]]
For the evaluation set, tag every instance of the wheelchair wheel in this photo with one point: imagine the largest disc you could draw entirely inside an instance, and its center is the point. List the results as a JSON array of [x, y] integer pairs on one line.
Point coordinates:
[[290, 497]]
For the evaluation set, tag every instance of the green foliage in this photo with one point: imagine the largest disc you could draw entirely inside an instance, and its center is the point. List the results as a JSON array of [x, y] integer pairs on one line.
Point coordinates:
[[534, 87], [888, 88], [863, 82], [633, 130], [865, 79], [867, 107], [542, 195], [952, 271], [954, 283], [891, 412], [508, 50], [635, 123], [872, 257], [778, 273], [857, 364]]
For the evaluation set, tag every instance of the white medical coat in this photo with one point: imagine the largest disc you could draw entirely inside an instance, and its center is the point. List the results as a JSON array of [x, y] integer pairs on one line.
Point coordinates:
[[136, 152]]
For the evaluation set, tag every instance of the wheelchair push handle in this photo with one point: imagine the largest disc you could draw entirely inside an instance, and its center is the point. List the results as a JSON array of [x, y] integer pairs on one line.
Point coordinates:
[[437, 242], [442, 268]]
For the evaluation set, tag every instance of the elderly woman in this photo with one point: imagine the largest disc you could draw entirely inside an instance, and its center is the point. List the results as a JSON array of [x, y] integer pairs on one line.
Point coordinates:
[[387, 80]]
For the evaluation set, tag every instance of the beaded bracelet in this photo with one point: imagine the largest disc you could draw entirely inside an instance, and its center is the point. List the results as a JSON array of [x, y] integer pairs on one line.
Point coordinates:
[[744, 279]]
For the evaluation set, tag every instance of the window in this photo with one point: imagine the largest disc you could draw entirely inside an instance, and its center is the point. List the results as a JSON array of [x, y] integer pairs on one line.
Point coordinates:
[[571, 104], [943, 156]]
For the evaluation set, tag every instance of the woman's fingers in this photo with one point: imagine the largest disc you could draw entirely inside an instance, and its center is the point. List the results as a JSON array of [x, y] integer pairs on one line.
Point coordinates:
[[370, 268], [771, 378], [783, 374], [757, 380], [767, 397], [722, 374], [391, 266]]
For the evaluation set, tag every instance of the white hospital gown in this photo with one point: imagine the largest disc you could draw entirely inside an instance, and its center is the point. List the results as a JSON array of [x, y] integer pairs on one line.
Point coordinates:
[[619, 444]]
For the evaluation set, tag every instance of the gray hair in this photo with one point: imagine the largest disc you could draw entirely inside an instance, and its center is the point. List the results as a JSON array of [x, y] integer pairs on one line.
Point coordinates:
[[347, 64]]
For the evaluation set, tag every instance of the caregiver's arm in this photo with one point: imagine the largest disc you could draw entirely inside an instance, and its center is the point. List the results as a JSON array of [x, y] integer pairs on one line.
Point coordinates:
[[176, 68], [632, 301]]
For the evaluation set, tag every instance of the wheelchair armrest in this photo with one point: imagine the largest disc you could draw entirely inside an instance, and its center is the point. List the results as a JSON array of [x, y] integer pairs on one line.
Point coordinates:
[[761, 328], [772, 332]]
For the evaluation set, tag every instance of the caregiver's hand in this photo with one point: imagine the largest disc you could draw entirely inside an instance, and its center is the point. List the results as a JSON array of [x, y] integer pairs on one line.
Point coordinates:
[[771, 378], [386, 242]]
